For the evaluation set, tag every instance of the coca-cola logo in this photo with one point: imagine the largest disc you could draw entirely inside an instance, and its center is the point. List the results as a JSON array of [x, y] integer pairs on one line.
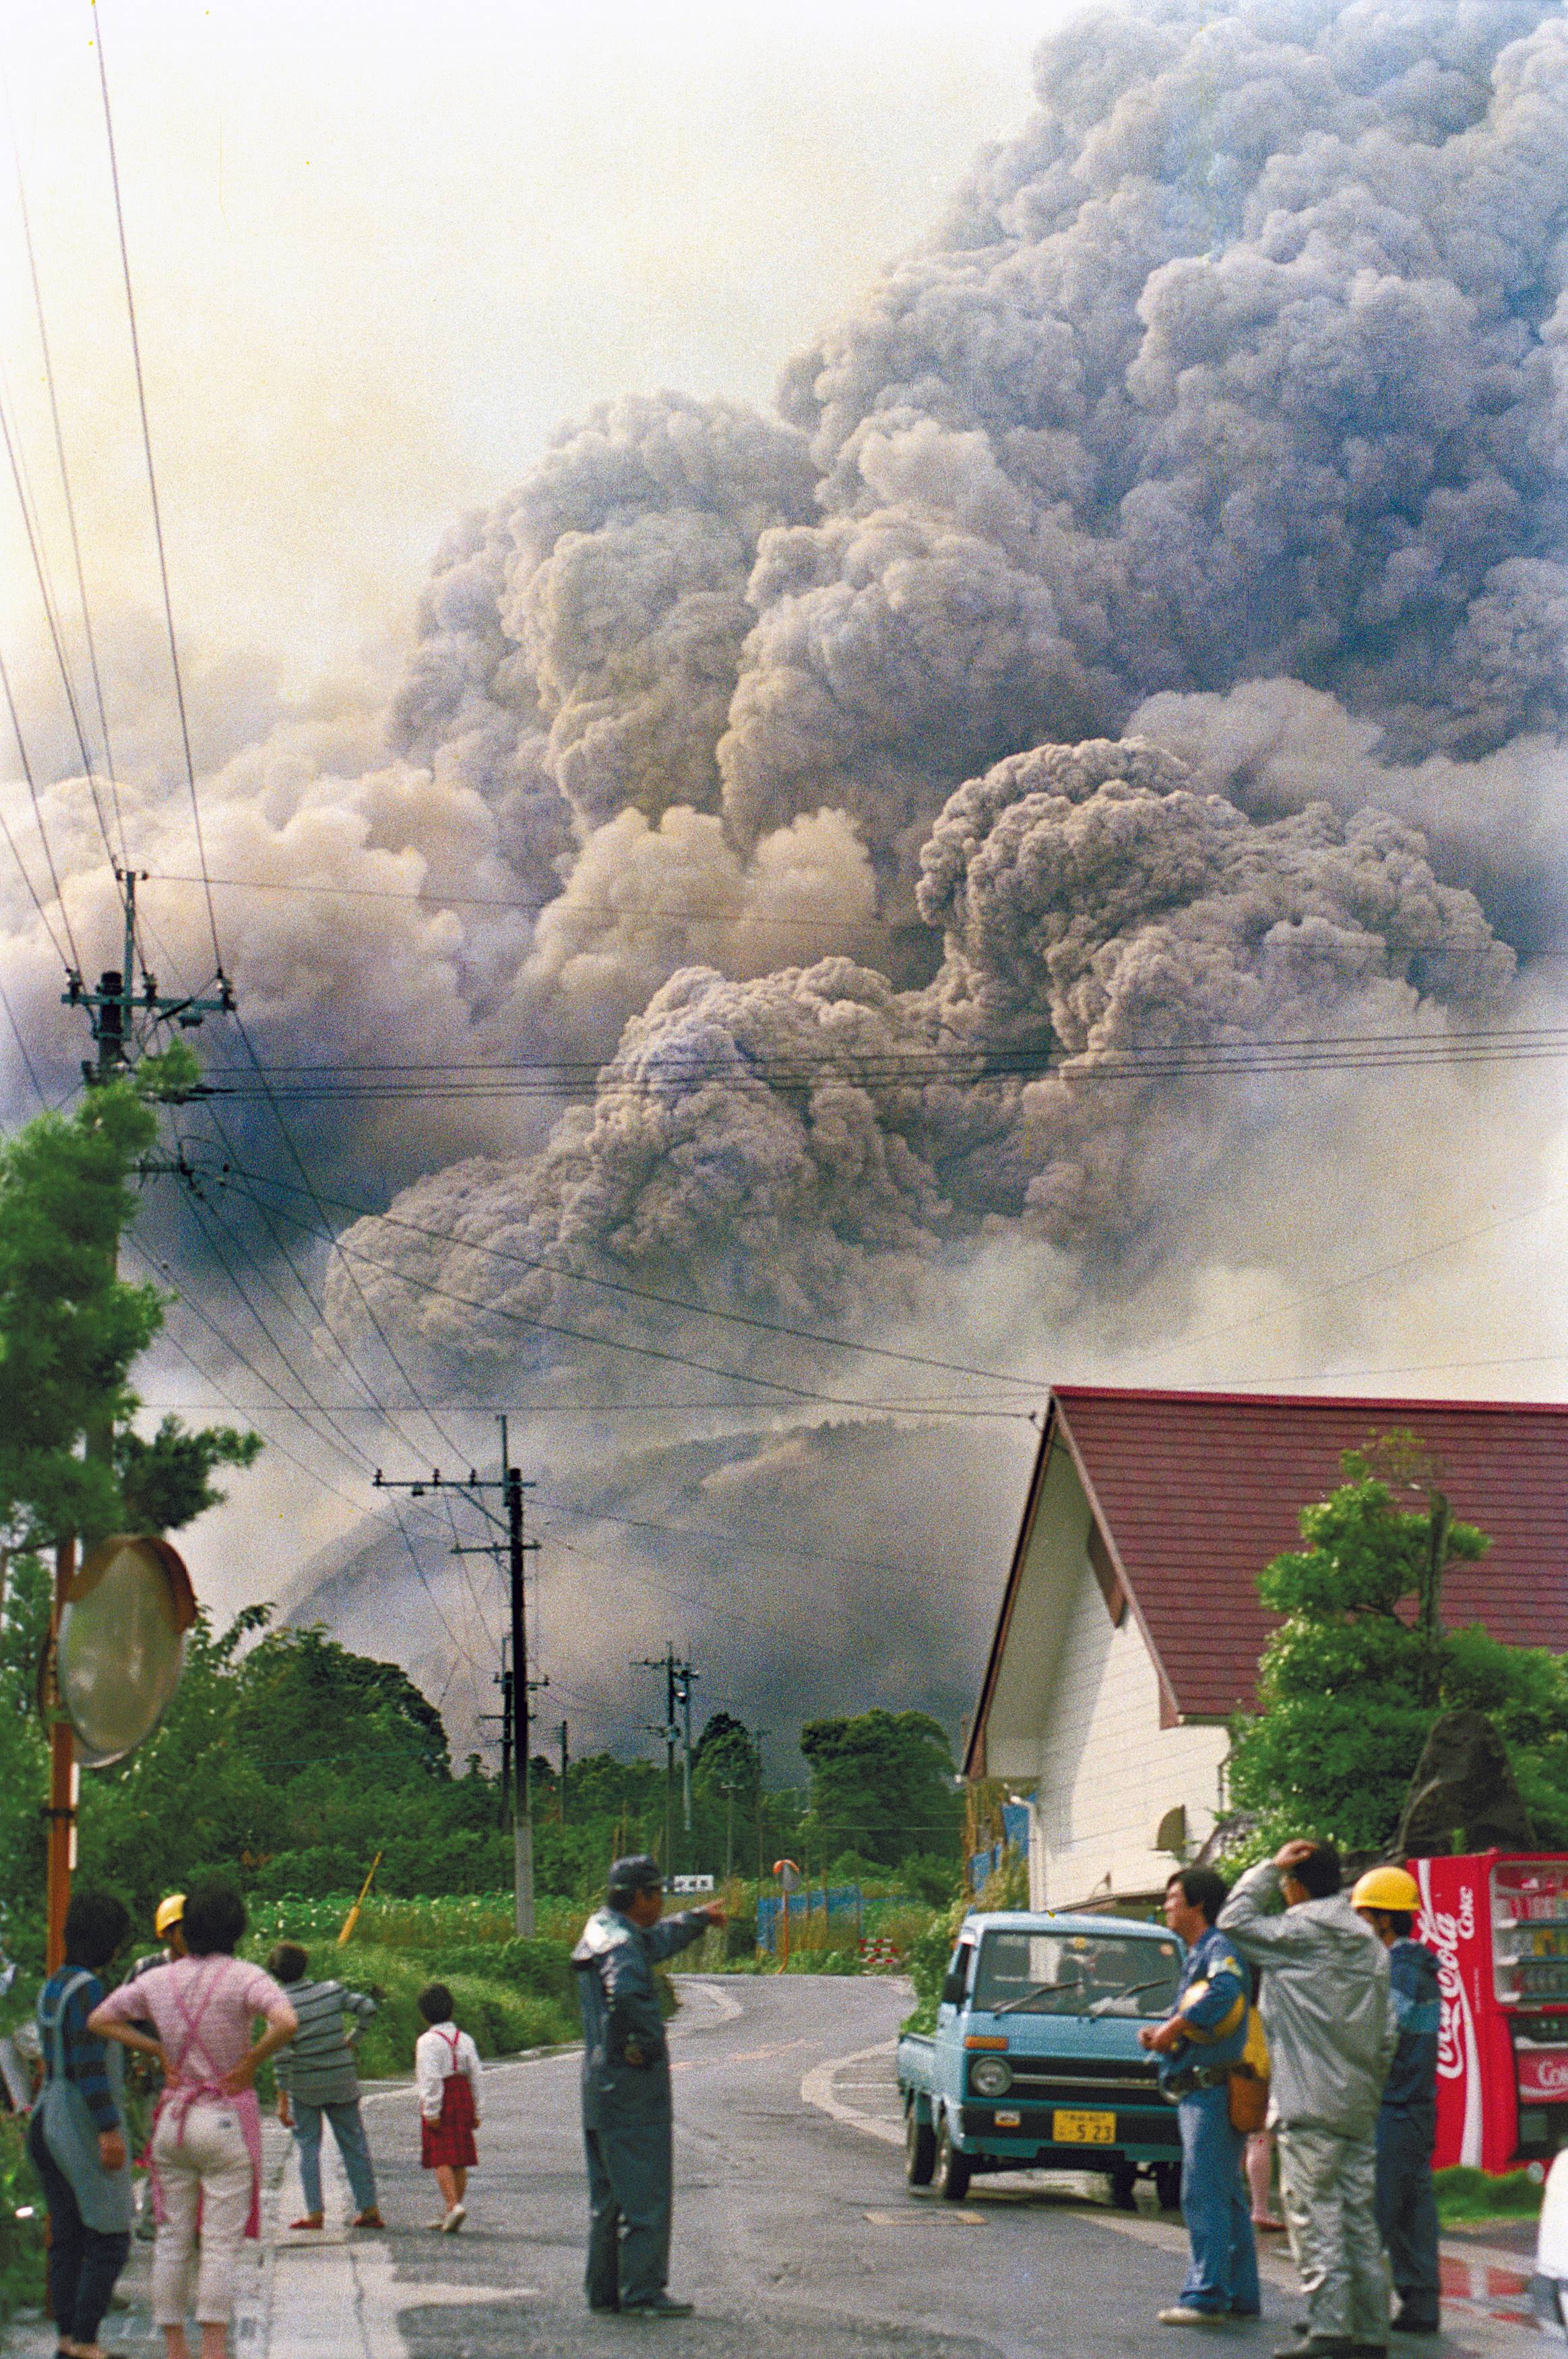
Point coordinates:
[[1544, 2072], [1443, 1930]]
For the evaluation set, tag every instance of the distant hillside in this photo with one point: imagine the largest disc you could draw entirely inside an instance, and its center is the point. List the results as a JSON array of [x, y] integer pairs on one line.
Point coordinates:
[[810, 1571]]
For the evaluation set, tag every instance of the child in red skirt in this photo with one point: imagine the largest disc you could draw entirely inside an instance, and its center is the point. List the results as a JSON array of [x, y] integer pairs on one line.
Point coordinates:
[[446, 2066]]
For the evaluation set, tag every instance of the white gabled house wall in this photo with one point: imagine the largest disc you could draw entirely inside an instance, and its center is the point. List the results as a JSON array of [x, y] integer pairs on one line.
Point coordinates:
[[1077, 1709]]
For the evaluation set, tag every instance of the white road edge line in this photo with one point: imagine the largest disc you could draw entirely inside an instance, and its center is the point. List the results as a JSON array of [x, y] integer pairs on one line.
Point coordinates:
[[729, 2008], [817, 2089]]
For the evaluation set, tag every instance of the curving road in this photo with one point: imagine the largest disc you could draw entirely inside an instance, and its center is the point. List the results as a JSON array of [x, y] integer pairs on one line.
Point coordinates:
[[794, 2230]]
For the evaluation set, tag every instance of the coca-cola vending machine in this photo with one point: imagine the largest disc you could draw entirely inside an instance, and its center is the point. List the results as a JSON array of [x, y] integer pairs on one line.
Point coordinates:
[[1499, 1922]]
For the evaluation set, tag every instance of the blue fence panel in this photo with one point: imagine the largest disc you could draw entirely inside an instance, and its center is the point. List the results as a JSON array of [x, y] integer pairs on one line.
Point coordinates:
[[1015, 1838], [844, 1913]]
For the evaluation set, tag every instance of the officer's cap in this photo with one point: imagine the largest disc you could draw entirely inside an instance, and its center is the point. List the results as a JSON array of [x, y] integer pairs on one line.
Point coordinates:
[[639, 1872]]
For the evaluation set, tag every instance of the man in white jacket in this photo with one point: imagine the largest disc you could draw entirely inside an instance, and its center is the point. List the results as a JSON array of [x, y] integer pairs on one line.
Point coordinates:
[[1329, 2014]]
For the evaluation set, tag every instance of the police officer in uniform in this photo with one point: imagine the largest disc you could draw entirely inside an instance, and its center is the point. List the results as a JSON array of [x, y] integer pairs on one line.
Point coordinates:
[[626, 2088]]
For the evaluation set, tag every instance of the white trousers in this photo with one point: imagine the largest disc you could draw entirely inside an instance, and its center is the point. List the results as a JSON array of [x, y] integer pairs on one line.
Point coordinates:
[[1328, 2185], [209, 2164]]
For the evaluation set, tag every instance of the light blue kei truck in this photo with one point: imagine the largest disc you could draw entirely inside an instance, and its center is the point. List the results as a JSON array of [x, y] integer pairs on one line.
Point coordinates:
[[1035, 2063]]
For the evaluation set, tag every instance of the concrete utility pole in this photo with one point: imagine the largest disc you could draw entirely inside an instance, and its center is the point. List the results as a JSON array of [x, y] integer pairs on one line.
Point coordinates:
[[687, 1679], [670, 1732], [521, 1816], [515, 1684], [122, 1012], [121, 1002], [728, 1789], [562, 1733]]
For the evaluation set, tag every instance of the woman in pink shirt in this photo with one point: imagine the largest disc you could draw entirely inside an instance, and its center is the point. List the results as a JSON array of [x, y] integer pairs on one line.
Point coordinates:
[[206, 2149]]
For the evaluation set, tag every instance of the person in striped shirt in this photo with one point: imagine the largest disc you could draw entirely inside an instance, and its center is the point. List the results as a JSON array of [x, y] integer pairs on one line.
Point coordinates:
[[316, 2079]]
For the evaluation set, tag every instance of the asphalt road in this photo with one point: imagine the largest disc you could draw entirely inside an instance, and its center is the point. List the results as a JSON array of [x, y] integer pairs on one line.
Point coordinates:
[[794, 2233]]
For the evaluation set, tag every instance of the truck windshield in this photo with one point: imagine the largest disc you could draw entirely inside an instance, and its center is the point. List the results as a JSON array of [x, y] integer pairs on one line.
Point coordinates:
[[1077, 1973]]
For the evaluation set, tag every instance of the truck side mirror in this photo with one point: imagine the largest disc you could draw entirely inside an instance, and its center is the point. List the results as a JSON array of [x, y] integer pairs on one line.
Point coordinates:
[[955, 1989]]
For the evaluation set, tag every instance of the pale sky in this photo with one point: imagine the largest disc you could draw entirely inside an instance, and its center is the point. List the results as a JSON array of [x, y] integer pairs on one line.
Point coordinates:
[[380, 253]]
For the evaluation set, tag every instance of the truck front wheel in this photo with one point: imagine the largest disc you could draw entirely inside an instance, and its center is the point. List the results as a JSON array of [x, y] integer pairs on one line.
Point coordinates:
[[1123, 2177], [952, 2167], [919, 2147], [1168, 2185]]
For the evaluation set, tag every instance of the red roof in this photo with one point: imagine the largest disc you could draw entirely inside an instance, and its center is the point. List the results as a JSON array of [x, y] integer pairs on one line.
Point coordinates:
[[1196, 1491]]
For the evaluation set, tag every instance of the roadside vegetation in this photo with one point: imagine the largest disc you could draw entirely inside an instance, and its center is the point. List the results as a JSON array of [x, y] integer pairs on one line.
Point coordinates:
[[1468, 2197]]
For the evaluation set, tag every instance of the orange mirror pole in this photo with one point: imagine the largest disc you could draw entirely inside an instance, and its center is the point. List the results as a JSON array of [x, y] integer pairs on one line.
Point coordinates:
[[62, 1811]]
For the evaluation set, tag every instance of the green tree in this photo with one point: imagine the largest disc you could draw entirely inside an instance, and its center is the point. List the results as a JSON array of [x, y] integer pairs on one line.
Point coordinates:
[[166, 1482], [70, 1461], [68, 1327], [1351, 1681], [291, 1761], [725, 1752], [882, 1788]]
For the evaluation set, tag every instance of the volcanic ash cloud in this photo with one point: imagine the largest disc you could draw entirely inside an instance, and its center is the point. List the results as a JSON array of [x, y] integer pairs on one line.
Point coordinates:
[[811, 1144], [1138, 636]]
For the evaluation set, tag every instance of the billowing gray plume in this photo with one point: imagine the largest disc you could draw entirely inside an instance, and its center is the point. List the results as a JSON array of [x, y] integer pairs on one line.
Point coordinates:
[[1141, 633]]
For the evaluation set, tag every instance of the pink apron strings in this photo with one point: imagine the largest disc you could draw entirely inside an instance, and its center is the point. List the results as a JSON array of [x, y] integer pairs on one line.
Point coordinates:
[[185, 2093]]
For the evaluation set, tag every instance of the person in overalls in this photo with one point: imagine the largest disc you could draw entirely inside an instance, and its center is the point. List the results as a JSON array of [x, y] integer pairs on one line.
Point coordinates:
[[76, 2138], [206, 2150], [626, 2117]]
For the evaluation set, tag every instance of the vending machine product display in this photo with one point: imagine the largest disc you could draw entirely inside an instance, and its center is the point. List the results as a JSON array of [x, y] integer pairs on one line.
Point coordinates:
[[1498, 1923]]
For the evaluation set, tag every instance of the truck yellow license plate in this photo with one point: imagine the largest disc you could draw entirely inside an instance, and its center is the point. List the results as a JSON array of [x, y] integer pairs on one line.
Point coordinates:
[[1083, 2129]]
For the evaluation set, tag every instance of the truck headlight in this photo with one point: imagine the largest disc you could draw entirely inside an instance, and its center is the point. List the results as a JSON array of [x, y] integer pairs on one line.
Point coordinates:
[[991, 2076]]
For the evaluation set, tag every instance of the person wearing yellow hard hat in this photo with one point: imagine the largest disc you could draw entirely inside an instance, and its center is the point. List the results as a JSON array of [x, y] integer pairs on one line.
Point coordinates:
[[168, 1924], [1390, 1899], [143, 2079]]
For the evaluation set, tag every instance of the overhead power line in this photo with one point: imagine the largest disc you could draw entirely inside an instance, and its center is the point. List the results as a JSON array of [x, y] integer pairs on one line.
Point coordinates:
[[630, 915], [47, 599], [581, 1335], [439, 897], [660, 1069], [938, 1407], [87, 633], [239, 1353], [647, 1294], [152, 487], [21, 1038], [22, 756]]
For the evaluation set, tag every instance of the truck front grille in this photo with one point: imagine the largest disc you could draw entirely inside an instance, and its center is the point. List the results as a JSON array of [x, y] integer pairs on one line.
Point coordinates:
[[1085, 2082]]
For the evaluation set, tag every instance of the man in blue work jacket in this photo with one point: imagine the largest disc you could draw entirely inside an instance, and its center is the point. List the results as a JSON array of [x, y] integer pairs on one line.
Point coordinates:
[[1196, 2047], [1388, 1899], [626, 2088]]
